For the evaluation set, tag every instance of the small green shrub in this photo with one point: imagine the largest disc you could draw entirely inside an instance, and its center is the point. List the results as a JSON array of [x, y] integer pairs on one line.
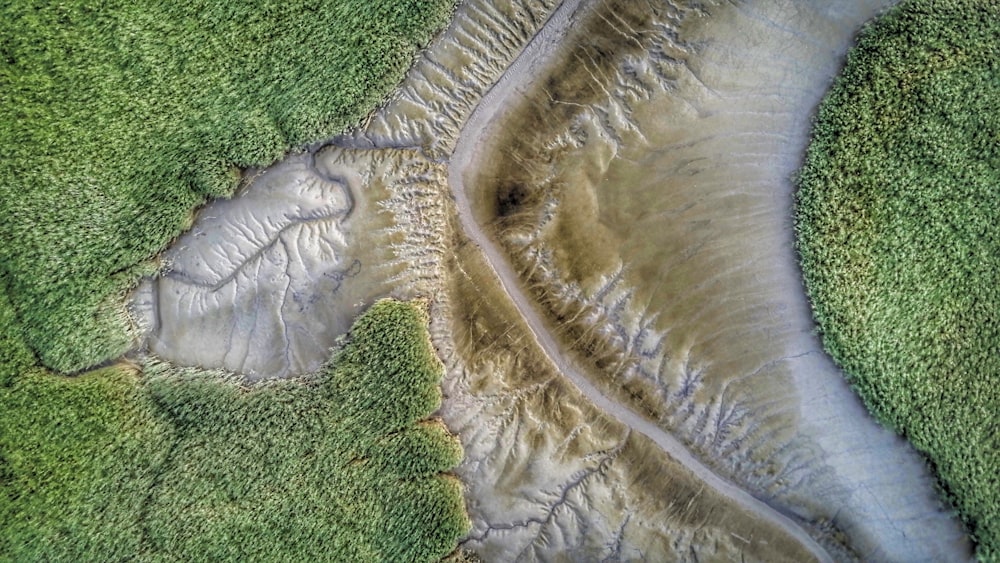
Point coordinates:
[[899, 236]]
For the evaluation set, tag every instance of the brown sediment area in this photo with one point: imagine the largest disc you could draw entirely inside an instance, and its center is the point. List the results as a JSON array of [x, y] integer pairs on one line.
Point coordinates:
[[642, 187], [550, 477]]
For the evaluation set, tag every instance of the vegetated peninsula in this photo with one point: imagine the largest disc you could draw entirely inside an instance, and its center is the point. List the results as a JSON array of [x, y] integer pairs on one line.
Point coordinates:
[[897, 222], [182, 464], [115, 124]]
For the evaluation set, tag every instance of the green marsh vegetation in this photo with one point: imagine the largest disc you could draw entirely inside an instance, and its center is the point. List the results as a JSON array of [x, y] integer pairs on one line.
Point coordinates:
[[898, 223], [181, 465], [117, 120]]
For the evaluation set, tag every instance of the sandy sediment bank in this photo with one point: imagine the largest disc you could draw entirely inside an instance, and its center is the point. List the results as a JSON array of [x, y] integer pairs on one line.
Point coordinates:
[[265, 282], [651, 216], [654, 270]]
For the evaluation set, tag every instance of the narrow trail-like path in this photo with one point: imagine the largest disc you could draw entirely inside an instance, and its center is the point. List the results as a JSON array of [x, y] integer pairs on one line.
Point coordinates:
[[467, 149]]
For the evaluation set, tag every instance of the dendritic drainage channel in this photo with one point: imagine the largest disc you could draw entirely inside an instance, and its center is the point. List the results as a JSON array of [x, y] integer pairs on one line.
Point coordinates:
[[264, 283]]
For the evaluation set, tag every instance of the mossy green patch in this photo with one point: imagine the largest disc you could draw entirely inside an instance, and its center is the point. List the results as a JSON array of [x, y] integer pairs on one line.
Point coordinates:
[[186, 465], [77, 459], [899, 234], [117, 120]]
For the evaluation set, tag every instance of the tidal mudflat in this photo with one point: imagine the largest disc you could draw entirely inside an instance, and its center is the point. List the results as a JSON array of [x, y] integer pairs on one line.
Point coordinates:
[[265, 282], [642, 186], [632, 368]]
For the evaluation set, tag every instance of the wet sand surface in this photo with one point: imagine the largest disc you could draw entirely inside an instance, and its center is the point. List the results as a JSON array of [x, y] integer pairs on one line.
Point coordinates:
[[552, 478], [266, 281], [651, 215], [630, 169]]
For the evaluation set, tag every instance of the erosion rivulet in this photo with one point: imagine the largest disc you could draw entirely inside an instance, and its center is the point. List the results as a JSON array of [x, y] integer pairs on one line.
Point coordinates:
[[641, 184], [265, 282]]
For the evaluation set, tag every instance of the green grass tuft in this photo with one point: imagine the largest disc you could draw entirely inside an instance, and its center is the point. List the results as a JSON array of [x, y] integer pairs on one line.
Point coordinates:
[[15, 355], [898, 228], [183, 465], [78, 457], [117, 121]]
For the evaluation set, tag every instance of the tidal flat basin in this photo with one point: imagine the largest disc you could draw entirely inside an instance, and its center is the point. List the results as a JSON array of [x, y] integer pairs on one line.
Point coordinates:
[[632, 163]]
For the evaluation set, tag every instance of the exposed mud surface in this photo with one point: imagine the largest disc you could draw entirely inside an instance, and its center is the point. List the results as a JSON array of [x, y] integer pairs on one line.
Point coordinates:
[[466, 149], [552, 478], [266, 281], [643, 190], [596, 198]]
